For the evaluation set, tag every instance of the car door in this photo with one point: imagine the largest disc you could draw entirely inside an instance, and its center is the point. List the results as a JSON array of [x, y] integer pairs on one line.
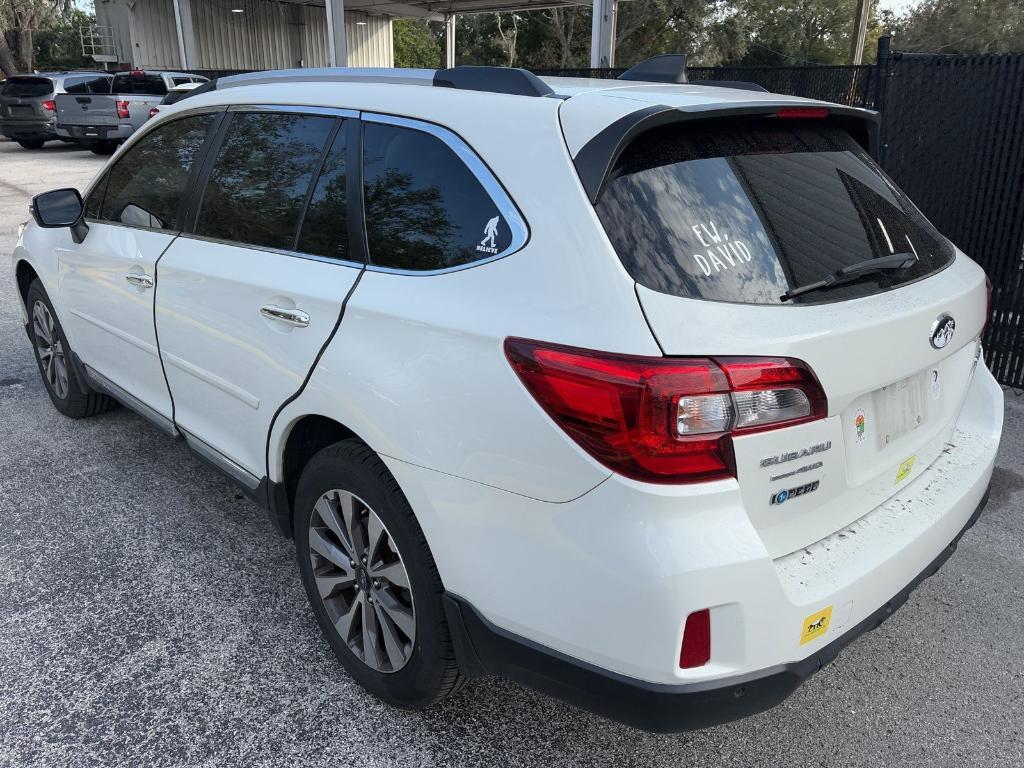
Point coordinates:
[[107, 281], [250, 296]]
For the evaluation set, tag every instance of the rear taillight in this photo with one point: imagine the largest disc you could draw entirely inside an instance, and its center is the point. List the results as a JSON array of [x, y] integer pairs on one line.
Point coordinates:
[[122, 109], [50, 105], [154, 112], [664, 420], [696, 650]]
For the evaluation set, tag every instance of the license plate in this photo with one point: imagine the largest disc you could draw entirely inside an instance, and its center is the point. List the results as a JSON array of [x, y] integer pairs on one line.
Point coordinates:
[[21, 109], [901, 407]]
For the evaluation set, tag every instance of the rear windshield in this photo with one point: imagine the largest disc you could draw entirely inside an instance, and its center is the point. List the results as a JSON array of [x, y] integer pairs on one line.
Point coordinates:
[[87, 84], [27, 87], [139, 83], [743, 211]]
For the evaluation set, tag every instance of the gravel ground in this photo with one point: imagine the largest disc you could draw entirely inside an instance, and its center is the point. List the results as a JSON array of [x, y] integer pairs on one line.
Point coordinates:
[[150, 616]]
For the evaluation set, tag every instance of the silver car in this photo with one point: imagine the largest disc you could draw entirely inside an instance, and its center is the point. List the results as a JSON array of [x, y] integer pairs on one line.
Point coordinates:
[[28, 109]]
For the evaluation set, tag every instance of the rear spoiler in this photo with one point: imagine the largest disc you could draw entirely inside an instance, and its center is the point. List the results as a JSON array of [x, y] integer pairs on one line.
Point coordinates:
[[598, 156]]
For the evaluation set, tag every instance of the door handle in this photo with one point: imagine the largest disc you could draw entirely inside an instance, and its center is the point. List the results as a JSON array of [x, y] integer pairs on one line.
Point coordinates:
[[295, 317], [141, 281]]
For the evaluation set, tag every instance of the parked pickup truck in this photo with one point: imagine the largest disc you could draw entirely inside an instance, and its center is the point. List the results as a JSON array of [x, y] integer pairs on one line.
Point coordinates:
[[101, 122]]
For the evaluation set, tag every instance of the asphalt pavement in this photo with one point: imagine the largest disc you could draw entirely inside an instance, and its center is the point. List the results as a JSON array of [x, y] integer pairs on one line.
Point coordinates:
[[151, 616]]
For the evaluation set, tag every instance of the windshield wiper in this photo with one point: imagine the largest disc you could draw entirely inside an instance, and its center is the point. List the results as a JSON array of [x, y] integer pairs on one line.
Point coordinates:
[[854, 272]]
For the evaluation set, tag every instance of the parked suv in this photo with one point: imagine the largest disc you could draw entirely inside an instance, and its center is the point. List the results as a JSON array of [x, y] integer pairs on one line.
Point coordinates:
[[650, 396], [28, 110], [101, 122]]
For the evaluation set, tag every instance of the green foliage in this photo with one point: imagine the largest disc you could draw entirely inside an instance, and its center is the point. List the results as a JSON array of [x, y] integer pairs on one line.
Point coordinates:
[[59, 46], [961, 26], [795, 32], [417, 44]]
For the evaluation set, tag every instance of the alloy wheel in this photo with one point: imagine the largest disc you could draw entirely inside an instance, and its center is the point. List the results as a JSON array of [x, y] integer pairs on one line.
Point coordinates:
[[362, 580], [50, 350]]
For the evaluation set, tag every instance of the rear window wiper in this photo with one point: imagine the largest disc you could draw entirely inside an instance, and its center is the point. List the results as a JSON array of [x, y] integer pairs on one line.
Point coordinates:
[[891, 263]]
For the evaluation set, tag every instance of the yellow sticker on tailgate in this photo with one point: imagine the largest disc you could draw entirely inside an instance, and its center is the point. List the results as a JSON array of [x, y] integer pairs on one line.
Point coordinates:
[[905, 468], [815, 625]]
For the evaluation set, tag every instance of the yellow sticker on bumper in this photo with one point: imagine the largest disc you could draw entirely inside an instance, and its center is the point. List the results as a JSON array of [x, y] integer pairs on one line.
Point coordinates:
[[905, 468], [815, 625]]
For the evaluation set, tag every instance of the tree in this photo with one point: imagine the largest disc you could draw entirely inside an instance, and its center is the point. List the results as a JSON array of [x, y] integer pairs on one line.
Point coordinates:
[[19, 21], [416, 44], [962, 26], [795, 32]]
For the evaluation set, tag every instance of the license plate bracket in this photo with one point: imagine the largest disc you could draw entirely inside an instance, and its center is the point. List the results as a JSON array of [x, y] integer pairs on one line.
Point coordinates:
[[901, 407]]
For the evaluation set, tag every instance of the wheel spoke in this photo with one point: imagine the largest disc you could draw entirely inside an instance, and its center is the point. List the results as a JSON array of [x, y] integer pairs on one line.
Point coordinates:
[[371, 636], [328, 511], [375, 535], [392, 646], [40, 315], [392, 572], [329, 583], [353, 521], [329, 551], [344, 623], [398, 613]]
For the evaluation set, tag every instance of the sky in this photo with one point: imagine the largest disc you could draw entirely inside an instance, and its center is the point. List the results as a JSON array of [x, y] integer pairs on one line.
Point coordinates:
[[896, 6]]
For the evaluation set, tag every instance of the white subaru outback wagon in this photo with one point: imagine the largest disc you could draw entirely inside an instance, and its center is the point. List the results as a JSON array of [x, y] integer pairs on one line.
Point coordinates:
[[652, 396]]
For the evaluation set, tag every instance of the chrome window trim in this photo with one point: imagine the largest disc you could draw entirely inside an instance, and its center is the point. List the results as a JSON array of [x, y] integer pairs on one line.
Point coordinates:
[[297, 109], [278, 251], [499, 196]]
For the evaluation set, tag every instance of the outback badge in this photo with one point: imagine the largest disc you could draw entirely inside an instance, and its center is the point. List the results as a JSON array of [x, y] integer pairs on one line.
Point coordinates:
[[781, 497]]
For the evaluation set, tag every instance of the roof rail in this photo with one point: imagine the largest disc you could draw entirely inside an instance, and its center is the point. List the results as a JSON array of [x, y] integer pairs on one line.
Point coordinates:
[[517, 82], [740, 85], [666, 68]]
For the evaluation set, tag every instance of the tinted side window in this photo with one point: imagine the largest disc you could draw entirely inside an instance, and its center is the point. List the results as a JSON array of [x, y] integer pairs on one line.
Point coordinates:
[[325, 225], [147, 186], [87, 84], [424, 208], [261, 176]]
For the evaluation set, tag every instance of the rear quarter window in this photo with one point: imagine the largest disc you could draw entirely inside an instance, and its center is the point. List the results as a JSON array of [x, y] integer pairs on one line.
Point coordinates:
[[744, 210]]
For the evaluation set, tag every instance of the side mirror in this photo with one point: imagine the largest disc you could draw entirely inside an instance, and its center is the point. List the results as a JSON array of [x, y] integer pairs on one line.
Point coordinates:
[[61, 208]]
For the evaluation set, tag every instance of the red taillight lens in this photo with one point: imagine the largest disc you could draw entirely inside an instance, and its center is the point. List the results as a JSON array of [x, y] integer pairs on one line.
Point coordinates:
[[664, 420], [50, 105], [696, 650], [122, 109], [802, 113], [154, 112]]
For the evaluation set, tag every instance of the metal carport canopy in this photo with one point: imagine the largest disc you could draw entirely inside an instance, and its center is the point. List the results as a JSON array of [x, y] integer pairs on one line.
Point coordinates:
[[602, 41]]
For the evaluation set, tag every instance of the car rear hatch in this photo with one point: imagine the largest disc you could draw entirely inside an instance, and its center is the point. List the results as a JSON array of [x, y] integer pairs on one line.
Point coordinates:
[[718, 220], [22, 99]]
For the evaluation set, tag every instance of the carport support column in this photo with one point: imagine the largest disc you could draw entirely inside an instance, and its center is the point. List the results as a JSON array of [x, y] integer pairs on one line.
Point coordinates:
[[188, 50], [602, 33], [449, 40], [337, 45]]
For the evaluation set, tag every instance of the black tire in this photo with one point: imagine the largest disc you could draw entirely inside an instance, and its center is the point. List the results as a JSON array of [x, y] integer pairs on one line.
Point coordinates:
[[80, 401], [32, 144], [103, 147], [431, 672]]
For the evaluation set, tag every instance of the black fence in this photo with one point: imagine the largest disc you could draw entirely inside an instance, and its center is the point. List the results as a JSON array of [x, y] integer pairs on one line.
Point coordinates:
[[953, 139]]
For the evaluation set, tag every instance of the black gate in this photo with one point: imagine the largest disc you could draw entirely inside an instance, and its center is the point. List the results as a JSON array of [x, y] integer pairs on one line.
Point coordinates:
[[953, 139]]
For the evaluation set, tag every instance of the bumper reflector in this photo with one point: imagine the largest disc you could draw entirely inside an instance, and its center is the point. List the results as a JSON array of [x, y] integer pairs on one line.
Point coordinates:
[[696, 651]]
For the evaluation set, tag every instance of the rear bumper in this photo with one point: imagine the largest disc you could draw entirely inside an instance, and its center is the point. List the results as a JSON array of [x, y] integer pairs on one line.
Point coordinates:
[[41, 130], [483, 648], [94, 133]]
